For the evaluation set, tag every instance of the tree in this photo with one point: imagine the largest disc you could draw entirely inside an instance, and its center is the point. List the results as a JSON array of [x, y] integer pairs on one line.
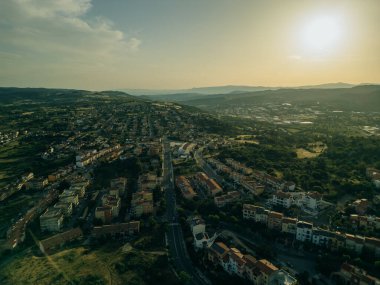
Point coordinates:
[[184, 277]]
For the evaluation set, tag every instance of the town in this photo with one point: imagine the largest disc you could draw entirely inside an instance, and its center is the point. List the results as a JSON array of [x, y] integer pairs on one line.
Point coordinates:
[[166, 182]]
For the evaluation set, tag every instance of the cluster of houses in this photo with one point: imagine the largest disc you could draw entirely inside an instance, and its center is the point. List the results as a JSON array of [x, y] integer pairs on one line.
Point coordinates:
[[52, 219], [370, 223], [121, 231], [185, 187], [374, 175], [208, 184], [111, 202], [309, 202], [12, 188], [239, 173], [89, 157], [258, 272], [306, 232], [350, 274], [142, 200], [228, 198], [8, 137], [231, 260]]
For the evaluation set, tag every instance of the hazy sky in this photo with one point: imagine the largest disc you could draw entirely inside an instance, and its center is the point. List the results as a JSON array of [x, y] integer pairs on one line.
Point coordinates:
[[108, 44]]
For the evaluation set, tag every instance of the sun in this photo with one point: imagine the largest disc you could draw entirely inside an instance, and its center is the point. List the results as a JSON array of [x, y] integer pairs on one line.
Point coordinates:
[[321, 34]]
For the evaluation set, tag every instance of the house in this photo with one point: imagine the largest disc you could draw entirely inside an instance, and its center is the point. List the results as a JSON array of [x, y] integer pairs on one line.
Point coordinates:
[[312, 200], [275, 220], [289, 225], [227, 198], [322, 237], [350, 274], [209, 184], [37, 183], [373, 244], [201, 237], [304, 231], [117, 231], [66, 207], [235, 264], [197, 225], [142, 203], [58, 240], [289, 186], [374, 175], [361, 206], [69, 196], [266, 269], [256, 213], [338, 241], [282, 199], [51, 220], [354, 243], [216, 252], [186, 189], [364, 222], [113, 202], [118, 186], [104, 214]]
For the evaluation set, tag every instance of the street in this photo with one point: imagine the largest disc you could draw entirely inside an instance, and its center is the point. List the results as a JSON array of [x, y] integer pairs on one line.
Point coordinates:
[[177, 246]]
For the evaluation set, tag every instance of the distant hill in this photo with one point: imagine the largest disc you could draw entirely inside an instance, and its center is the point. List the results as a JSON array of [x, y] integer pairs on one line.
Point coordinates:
[[164, 93], [358, 98], [9, 95]]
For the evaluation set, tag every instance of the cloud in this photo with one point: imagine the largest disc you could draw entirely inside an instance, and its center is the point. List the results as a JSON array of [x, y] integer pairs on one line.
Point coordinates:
[[58, 33]]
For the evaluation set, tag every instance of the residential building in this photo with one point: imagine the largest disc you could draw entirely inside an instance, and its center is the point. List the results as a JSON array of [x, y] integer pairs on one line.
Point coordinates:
[[209, 184], [282, 199], [350, 274], [104, 214], [113, 202], [338, 241], [117, 231], [266, 269], [66, 207], [289, 225], [304, 231], [361, 206], [322, 237], [217, 252], [235, 264], [51, 220], [227, 198], [354, 243], [374, 175], [118, 186], [186, 189], [275, 220], [58, 240], [373, 244]]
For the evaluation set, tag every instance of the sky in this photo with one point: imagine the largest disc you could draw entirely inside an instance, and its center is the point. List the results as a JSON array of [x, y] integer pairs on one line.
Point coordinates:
[[175, 44]]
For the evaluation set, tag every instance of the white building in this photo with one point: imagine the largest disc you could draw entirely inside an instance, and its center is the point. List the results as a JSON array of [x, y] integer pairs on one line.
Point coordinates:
[[51, 220], [304, 231]]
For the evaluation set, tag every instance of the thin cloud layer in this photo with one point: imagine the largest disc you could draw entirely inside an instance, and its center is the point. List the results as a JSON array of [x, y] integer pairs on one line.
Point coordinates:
[[56, 34]]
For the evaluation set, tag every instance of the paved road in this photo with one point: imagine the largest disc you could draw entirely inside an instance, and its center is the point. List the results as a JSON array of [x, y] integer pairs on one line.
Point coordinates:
[[177, 246]]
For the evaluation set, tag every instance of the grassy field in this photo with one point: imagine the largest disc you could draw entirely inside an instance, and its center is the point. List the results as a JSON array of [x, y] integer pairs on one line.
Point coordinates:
[[303, 153], [106, 265]]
